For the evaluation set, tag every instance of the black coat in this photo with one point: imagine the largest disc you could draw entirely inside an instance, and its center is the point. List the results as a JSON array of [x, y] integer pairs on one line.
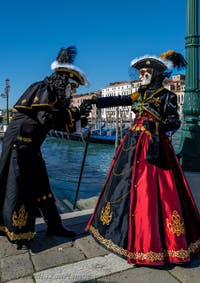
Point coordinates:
[[24, 184]]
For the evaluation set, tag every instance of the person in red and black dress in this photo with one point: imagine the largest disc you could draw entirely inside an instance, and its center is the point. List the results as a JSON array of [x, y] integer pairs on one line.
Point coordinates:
[[146, 212]]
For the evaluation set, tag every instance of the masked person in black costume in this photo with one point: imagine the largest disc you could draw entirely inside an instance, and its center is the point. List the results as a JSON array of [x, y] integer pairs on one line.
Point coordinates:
[[24, 184], [146, 212]]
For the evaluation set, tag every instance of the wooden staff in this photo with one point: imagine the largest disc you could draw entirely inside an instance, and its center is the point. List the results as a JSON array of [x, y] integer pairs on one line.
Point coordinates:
[[82, 166]]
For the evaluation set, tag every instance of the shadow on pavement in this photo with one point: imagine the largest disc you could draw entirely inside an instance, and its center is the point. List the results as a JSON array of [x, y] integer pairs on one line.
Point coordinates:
[[42, 242]]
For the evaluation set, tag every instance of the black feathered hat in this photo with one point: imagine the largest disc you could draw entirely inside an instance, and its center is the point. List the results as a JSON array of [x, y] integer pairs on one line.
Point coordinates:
[[64, 63], [168, 60]]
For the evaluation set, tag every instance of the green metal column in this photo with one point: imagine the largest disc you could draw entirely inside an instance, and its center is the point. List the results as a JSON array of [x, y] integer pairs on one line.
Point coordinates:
[[190, 136]]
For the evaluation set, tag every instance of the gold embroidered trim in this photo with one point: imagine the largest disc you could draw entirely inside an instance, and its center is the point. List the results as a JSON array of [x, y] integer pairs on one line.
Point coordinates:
[[180, 254], [23, 101], [21, 106], [108, 243], [153, 94], [51, 106], [45, 105], [140, 128], [176, 226], [139, 106], [156, 101], [24, 139], [71, 124], [67, 129], [14, 237], [121, 173], [157, 127], [106, 214], [19, 219], [150, 256], [44, 197], [128, 148], [152, 113], [72, 73], [74, 109], [36, 99]]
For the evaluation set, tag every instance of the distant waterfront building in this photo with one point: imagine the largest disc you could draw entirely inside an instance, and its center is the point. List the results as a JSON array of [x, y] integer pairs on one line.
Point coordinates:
[[123, 112], [77, 99]]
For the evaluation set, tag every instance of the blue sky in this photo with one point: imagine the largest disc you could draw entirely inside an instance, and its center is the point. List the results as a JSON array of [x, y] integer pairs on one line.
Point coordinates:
[[107, 33]]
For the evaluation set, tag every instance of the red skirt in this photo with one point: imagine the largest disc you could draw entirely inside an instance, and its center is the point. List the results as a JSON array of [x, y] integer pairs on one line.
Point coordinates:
[[146, 212]]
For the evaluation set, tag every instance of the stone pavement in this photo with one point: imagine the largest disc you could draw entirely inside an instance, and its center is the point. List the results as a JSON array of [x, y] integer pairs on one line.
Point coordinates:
[[61, 260]]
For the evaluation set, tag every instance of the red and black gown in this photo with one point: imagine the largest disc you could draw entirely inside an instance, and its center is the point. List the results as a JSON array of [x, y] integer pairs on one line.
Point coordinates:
[[146, 212], [24, 184]]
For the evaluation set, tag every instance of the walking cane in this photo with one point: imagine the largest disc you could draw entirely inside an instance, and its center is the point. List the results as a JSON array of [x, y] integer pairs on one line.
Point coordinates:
[[82, 166]]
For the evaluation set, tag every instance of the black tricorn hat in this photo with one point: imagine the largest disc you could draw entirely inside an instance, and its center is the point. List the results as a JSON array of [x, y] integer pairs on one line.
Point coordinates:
[[168, 60], [64, 63], [149, 62]]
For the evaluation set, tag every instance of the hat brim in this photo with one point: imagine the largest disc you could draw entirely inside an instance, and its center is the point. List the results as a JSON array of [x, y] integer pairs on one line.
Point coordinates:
[[74, 72], [151, 63]]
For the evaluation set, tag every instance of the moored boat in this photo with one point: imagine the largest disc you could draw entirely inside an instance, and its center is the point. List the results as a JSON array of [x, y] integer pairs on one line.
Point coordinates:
[[106, 136]]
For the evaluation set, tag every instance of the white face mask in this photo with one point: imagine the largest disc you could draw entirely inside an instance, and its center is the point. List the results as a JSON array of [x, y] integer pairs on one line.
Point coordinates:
[[145, 76], [71, 88]]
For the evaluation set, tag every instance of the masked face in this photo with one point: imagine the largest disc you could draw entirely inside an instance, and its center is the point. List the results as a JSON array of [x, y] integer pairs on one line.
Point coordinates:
[[71, 88], [146, 76]]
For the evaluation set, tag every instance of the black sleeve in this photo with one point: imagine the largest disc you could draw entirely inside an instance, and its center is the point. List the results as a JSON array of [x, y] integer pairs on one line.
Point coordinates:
[[170, 117], [114, 101], [59, 119]]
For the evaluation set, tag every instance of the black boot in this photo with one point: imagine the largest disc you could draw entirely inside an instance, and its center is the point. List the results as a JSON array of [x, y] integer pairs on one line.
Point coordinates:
[[2, 233], [23, 245], [53, 220]]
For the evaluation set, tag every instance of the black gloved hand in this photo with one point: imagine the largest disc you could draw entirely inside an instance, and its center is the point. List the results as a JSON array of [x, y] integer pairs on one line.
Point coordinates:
[[149, 125], [86, 107]]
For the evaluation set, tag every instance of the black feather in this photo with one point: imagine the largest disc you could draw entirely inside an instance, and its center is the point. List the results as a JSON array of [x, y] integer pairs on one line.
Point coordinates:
[[67, 55], [178, 60]]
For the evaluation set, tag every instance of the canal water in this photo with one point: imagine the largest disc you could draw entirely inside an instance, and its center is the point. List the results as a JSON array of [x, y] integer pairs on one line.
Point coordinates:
[[63, 159]]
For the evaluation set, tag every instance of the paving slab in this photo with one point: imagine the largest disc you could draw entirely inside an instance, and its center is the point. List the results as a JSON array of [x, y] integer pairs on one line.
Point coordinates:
[[28, 279], [84, 270], [13, 267], [8, 249], [42, 243], [189, 273], [56, 256], [90, 247], [139, 275]]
